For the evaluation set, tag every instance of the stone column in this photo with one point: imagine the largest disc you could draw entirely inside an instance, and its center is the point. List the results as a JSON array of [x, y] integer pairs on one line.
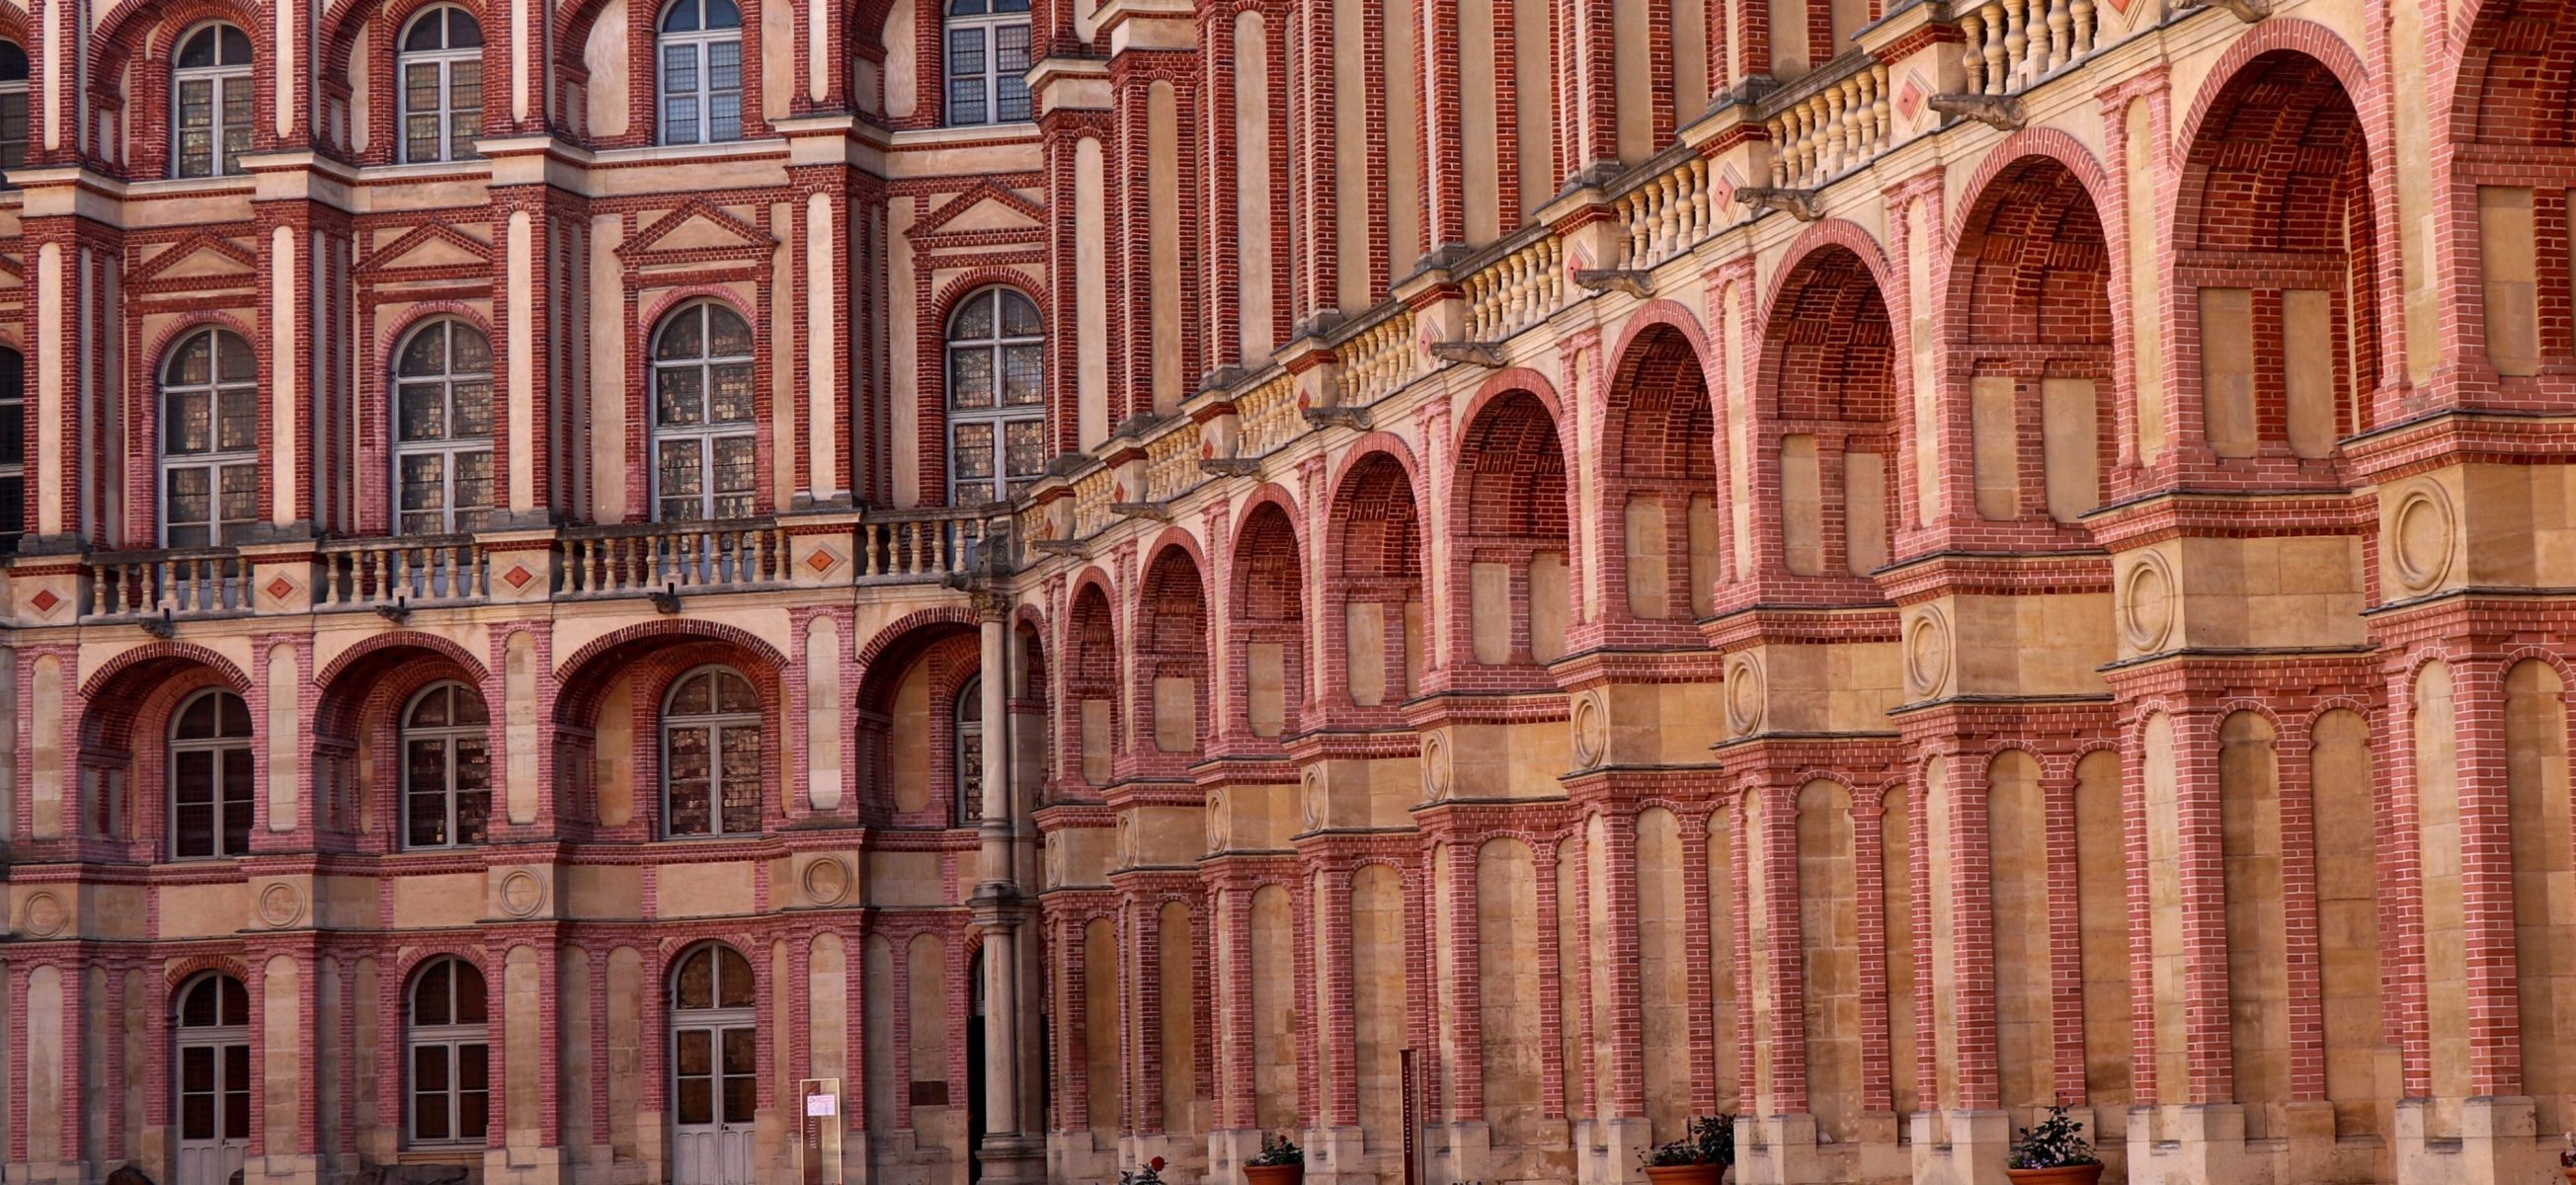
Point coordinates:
[[1014, 1148]]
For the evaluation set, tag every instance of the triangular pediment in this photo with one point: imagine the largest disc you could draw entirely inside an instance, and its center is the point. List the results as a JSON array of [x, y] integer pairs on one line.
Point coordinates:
[[697, 227], [198, 257], [987, 206], [436, 245]]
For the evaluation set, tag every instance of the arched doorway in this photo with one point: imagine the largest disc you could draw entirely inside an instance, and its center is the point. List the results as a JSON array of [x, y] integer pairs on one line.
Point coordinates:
[[213, 1080], [715, 1065]]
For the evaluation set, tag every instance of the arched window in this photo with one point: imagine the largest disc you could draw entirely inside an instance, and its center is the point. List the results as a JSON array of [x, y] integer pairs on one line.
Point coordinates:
[[711, 754], [449, 1060], [702, 414], [210, 102], [715, 1060], [996, 397], [13, 448], [209, 440], [447, 767], [210, 777], [443, 430], [970, 753], [442, 85], [701, 47], [988, 61], [13, 105], [213, 1087]]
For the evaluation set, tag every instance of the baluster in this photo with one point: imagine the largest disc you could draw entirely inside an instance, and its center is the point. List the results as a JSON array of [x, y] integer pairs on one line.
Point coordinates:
[[1972, 60], [1879, 107], [2061, 33], [1998, 78], [2084, 31]]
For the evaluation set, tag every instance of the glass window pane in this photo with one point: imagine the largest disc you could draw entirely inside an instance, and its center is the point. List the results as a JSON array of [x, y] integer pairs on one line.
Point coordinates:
[[233, 361], [724, 117], [738, 1099], [473, 410], [975, 321], [421, 411], [972, 457], [679, 69], [236, 419], [1024, 448], [970, 378], [697, 1100], [190, 499], [741, 779], [730, 400], [734, 693], [425, 353], [734, 464], [697, 983], [728, 335], [426, 813], [1023, 376], [473, 485], [1019, 314], [734, 989], [471, 1006], [236, 812], [696, 1052], [683, 336], [188, 422], [680, 400]]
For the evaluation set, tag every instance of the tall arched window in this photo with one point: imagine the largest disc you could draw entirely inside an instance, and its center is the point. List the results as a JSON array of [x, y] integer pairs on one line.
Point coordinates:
[[711, 754], [715, 1062], [443, 430], [702, 414], [213, 1047], [988, 61], [970, 753], [996, 397], [13, 448], [447, 767], [442, 85], [210, 100], [209, 440], [449, 1100], [210, 783], [701, 48], [13, 106]]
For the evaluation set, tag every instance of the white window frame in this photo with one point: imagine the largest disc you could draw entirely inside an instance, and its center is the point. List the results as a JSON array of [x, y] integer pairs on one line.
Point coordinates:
[[707, 431], [218, 1038], [714, 724], [216, 459], [447, 737], [987, 27], [451, 447], [13, 411], [454, 1038], [215, 747], [13, 91], [223, 79], [699, 43], [444, 61], [1000, 415]]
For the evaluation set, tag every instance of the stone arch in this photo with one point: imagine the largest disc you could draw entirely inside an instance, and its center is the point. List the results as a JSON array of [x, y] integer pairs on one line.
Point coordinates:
[[2288, 356], [2030, 350], [1828, 367], [909, 681], [1510, 533], [1266, 597], [1373, 582], [1659, 458], [1092, 662], [1171, 644]]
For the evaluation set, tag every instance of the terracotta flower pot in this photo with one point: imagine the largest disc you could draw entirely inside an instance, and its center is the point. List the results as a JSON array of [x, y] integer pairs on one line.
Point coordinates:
[[2570, 1171], [2068, 1174], [1686, 1174], [1273, 1174]]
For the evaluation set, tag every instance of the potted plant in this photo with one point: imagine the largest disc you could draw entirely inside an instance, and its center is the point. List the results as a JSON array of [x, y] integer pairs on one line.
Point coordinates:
[[2567, 1159], [1151, 1174], [2054, 1153], [1700, 1157], [1281, 1162]]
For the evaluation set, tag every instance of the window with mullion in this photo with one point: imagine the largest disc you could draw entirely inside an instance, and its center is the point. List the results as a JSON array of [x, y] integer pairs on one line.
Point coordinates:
[[988, 63], [449, 1067], [702, 88], [704, 457], [13, 107], [711, 755], [210, 778], [996, 398], [209, 441], [13, 448], [447, 768], [443, 431]]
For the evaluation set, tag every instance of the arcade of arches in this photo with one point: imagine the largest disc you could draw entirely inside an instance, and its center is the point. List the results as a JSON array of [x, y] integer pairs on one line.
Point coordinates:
[[1093, 580]]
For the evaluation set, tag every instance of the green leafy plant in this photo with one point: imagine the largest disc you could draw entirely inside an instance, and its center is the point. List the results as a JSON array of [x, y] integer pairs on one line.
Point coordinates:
[[1151, 1174], [1277, 1150], [2056, 1143], [1710, 1140]]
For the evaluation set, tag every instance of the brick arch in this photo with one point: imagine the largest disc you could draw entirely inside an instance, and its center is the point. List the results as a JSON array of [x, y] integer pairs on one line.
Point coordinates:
[[391, 335], [159, 351], [342, 20], [1827, 322], [2029, 284], [1269, 580], [1511, 470], [2241, 197], [885, 640], [1501, 384], [956, 290], [1172, 641], [584, 678], [1659, 412], [177, 974], [650, 319], [374, 647], [892, 653], [127, 31], [406, 966], [1376, 486], [135, 670], [2508, 86]]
